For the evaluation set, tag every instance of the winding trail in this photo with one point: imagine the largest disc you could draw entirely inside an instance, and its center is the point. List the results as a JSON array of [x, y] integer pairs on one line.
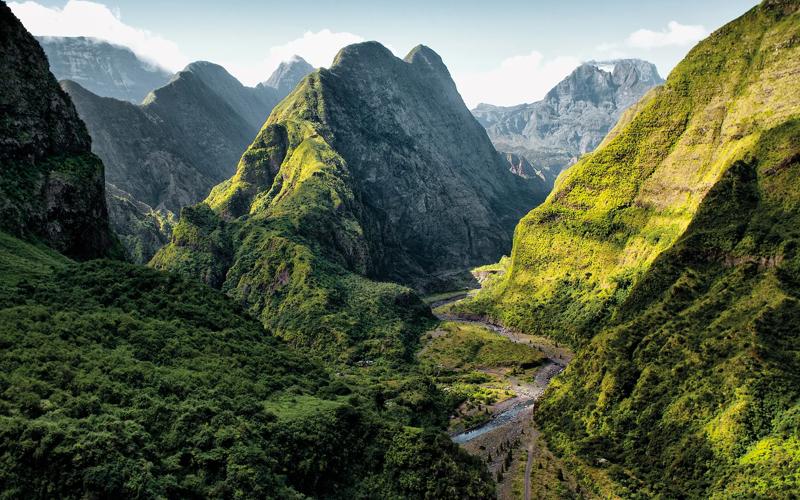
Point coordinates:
[[520, 408]]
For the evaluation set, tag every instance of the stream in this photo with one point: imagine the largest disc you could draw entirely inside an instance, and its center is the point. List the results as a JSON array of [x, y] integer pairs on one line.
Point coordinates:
[[527, 393]]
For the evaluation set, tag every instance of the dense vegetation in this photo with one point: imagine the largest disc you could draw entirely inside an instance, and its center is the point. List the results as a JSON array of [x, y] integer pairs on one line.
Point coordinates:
[[700, 378], [471, 363], [120, 381], [577, 256], [123, 381], [670, 255]]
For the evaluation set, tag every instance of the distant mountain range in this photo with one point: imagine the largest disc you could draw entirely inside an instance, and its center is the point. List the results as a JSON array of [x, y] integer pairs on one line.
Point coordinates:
[[167, 152], [573, 118], [103, 68]]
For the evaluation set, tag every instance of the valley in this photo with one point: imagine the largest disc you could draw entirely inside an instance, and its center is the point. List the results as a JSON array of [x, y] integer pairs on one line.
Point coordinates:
[[341, 278], [502, 374]]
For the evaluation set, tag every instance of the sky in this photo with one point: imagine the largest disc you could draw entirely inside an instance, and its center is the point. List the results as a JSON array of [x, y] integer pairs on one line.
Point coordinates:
[[503, 52]]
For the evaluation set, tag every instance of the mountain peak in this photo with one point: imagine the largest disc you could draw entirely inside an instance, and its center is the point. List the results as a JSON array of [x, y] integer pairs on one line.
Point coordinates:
[[425, 57], [288, 73], [362, 54]]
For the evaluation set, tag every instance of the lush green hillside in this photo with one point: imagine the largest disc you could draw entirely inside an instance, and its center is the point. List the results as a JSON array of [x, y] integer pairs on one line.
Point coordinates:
[[338, 192], [700, 380], [578, 255], [123, 381], [670, 255], [120, 381]]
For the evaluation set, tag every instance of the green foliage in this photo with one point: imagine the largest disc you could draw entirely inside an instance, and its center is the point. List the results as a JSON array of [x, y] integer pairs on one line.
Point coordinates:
[[123, 381], [414, 470], [699, 378], [459, 346], [291, 249]]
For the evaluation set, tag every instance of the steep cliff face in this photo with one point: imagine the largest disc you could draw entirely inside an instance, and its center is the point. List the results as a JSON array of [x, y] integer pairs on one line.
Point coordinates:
[[573, 117], [51, 185], [373, 168], [104, 69], [669, 257]]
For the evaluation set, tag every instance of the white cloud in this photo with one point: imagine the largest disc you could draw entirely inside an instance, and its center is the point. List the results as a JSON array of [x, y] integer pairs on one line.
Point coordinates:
[[318, 49], [676, 34], [82, 18], [517, 80]]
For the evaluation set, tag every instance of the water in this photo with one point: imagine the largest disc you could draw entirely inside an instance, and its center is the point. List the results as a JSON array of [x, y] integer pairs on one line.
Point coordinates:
[[500, 420]]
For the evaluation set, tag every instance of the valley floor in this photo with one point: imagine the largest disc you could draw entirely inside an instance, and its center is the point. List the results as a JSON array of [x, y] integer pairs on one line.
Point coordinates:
[[503, 374]]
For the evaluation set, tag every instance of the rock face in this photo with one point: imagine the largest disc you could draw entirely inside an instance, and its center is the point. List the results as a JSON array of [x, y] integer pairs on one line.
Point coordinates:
[[372, 168], [573, 117], [669, 256], [104, 69], [182, 140], [284, 79], [422, 166], [141, 229], [51, 185]]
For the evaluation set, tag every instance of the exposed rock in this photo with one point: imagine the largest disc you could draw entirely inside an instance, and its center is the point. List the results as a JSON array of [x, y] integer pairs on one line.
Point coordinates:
[[373, 168], [183, 139], [103, 68], [285, 78], [141, 229], [51, 185], [573, 117]]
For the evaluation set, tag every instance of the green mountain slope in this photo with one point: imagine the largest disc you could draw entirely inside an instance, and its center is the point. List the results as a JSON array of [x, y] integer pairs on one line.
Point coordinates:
[[578, 255], [340, 189], [51, 188], [168, 152], [700, 379], [669, 256], [123, 381]]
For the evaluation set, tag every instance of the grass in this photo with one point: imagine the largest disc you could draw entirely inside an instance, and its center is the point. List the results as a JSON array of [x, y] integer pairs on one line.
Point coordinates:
[[460, 347], [300, 406]]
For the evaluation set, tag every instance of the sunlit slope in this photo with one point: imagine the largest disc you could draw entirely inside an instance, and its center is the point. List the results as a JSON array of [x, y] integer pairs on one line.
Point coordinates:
[[695, 391], [577, 256]]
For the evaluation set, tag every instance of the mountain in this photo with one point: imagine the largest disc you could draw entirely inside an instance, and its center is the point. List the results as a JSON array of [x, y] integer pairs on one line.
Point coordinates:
[[284, 79], [169, 151], [572, 118], [371, 170], [51, 189], [141, 229], [105, 69], [120, 381], [669, 258]]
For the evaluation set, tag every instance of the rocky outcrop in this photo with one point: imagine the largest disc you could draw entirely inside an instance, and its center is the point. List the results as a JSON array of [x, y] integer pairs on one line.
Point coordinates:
[[520, 166], [430, 194], [573, 117], [51, 185], [103, 68], [141, 229]]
